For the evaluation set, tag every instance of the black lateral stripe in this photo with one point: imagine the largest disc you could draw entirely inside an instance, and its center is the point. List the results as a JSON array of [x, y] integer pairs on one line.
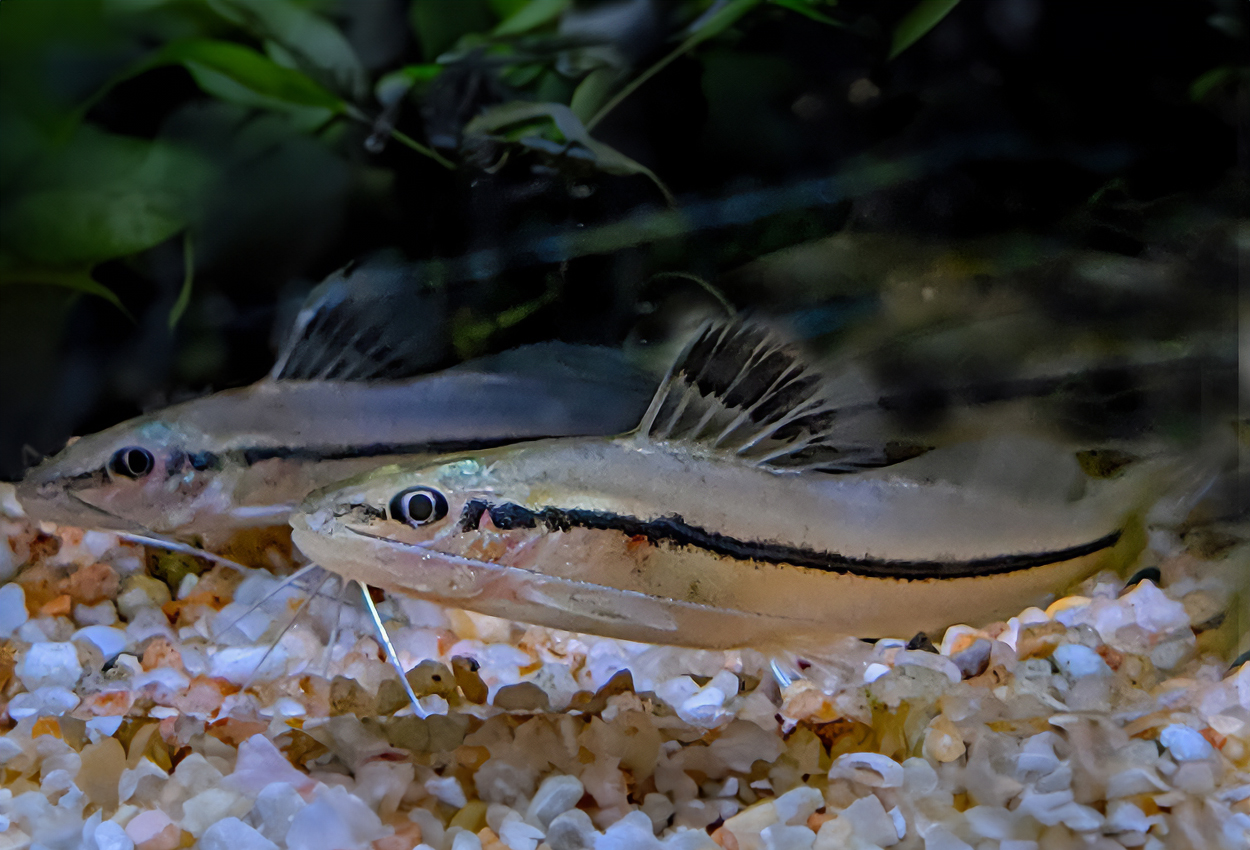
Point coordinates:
[[257, 454], [673, 529]]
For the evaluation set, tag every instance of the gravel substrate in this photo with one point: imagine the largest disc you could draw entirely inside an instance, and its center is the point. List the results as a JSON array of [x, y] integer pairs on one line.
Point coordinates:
[[133, 717]]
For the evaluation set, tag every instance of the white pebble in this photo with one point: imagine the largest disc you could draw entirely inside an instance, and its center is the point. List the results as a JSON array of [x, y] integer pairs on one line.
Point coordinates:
[[557, 794], [108, 640], [632, 832], [259, 765], [334, 819], [234, 834], [102, 614], [1184, 743], [781, 837], [446, 789], [938, 837], [43, 702], [519, 835], [1076, 661], [111, 836], [742, 743], [274, 809], [871, 821], [49, 665], [687, 839], [871, 769], [874, 671], [798, 804], [466, 840], [12, 606], [572, 830], [209, 807]]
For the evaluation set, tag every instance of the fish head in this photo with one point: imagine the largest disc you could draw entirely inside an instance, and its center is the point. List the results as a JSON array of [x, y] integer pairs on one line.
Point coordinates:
[[145, 474], [414, 527]]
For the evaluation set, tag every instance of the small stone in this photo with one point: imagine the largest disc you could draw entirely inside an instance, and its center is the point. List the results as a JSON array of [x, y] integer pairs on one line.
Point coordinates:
[[49, 664], [748, 824], [556, 795], [1076, 661], [1184, 743], [632, 832], [275, 808], [871, 769], [432, 677], [523, 696], [519, 835], [781, 837], [140, 591], [468, 680], [798, 804], [234, 834], [334, 819], [871, 821], [13, 611], [942, 741], [112, 836], [974, 659], [572, 830], [108, 640]]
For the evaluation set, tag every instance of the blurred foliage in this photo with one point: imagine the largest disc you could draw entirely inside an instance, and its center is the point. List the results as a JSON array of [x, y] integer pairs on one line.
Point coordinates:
[[199, 163], [76, 196]]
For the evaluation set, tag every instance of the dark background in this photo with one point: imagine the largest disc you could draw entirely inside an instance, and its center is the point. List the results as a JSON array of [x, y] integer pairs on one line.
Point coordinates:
[[1107, 127]]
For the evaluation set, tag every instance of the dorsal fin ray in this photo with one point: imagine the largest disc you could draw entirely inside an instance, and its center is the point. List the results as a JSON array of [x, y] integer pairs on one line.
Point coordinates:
[[370, 320], [739, 390]]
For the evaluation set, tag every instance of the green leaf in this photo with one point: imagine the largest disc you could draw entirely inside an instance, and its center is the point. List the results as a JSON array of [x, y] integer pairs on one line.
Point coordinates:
[[76, 279], [592, 91], [188, 279], [563, 122], [100, 197], [706, 27], [808, 10], [242, 75], [924, 16], [1208, 82], [531, 16], [314, 42]]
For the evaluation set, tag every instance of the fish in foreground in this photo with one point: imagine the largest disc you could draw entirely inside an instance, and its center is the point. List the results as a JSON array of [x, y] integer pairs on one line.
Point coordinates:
[[733, 516], [331, 407]]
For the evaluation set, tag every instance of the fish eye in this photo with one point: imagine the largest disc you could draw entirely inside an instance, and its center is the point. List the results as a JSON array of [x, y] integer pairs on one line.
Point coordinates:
[[132, 462], [418, 506]]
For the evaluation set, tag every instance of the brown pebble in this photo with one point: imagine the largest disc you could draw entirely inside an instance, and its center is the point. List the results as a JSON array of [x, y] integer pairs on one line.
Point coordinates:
[[523, 696], [468, 680], [432, 677], [91, 584], [102, 766], [347, 697]]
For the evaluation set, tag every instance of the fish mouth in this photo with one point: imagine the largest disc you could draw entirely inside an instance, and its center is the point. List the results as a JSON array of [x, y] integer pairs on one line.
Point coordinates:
[[44, 501]]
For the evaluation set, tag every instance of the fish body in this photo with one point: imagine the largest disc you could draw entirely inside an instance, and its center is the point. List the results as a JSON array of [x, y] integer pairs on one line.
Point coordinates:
[[246, 457], [756, 536], [341, 399]]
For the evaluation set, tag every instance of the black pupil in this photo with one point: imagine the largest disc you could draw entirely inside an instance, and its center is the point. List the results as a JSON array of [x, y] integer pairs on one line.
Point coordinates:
[[420, 507], [132, 462], [137, 461]]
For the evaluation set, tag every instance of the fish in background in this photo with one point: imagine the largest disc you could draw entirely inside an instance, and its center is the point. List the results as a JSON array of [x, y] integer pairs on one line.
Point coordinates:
[[344, 396]]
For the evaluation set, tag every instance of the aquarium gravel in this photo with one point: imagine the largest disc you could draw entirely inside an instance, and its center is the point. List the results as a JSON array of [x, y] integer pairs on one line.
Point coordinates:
[[144, 708]]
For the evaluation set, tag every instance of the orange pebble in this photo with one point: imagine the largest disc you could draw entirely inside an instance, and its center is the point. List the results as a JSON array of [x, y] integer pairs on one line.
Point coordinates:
[[58, 606]]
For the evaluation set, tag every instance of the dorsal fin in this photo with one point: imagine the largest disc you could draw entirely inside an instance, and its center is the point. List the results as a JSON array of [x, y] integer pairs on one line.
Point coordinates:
[[370, 320], [738, 390]]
